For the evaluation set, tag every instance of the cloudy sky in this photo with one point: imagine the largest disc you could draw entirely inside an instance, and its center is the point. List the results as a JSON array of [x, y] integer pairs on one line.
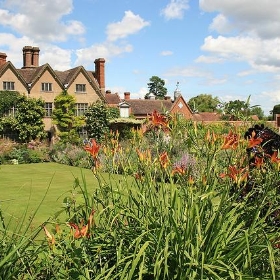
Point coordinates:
[[229, 49]]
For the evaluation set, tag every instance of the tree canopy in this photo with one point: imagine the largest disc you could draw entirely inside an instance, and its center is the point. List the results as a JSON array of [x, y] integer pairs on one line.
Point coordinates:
[[26, 120], [64, 116], [204, 103], [156, 87]]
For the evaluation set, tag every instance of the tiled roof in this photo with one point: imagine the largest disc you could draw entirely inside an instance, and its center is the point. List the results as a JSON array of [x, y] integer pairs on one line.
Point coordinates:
[[29, 74], [207, 116], [146, 106], [112, 98]]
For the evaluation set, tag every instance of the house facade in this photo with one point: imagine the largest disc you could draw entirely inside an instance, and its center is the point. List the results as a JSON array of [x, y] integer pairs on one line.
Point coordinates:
[[141, 108], [42, 81]]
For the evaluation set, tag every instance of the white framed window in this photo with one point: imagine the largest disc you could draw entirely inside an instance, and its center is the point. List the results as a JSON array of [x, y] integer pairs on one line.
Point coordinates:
[[81, 108], [80, 88], [46, 87], [8, 85], [11, 112], [48, 109]]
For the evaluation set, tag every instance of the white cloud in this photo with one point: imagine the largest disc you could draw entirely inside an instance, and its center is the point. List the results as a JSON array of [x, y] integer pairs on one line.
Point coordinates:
[[251, 16], [221, 24], [130, 24], [86, 56], [175, 9], [209, 59], [166, 53], [41, 20], [261, 55]]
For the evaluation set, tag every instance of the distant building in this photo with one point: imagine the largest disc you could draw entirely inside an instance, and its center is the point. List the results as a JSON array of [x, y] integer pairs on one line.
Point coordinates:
[[141, 108], [42, 81]]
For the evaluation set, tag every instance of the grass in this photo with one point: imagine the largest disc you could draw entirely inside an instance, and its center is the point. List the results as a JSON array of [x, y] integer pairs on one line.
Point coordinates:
[[25, 185]]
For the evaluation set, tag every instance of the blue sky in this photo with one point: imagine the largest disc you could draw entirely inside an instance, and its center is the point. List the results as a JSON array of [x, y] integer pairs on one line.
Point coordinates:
[[229, 49]]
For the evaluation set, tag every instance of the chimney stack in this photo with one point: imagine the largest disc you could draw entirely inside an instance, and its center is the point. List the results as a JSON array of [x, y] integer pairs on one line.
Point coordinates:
[[35, 58], [126, 95], [3, 57], [30, 57], [100, 73]]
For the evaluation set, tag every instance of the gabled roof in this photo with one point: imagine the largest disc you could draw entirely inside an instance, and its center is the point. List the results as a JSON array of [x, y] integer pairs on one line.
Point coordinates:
[[69, 76], [207, 116], [112, 98], [10, 65], [181, 99], [146, 106], [31, 75]]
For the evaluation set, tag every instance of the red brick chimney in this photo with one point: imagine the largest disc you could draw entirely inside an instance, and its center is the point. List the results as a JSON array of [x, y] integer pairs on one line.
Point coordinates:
[[100, 73], [3, 57], [126, 95], [35, 58], [30, 57]]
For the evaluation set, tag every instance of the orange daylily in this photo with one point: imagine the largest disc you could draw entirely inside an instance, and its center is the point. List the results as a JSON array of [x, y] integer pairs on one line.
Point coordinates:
[[237, 175], [230, 141], [83, 231], [259, 161], [50, 237], [92, 148], [274, 157], [254, 141], [164, 160], [179, 170], [158, 119]]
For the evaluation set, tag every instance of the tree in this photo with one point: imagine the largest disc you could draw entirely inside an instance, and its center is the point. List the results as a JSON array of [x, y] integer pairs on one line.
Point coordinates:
[[28, 120], [8, 100], [257, 110], [276, 110], [65, 118], [156, 87], [237, 109], [97, 120], [204, 103]]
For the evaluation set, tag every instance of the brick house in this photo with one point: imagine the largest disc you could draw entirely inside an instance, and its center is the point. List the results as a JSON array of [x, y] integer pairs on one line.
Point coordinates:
[[42, 81], [141, 108]]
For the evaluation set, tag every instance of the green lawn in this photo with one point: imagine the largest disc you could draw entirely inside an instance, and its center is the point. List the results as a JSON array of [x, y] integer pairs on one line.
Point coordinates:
[[25, 185]]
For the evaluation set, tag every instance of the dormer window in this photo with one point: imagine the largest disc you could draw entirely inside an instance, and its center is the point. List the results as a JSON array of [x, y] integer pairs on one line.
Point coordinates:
[[46, 87], [80, 88], [8, 85]]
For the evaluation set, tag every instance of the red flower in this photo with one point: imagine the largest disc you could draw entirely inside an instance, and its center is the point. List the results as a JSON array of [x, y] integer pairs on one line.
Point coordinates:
[[179, 170], [164, 160], [237, 175], [259, 161], [83, 231], [158, 120], [92, 148], [230, 141], [254, 141], [274, 157]]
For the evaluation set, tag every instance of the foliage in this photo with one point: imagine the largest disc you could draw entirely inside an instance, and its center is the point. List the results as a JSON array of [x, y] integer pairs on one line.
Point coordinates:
[[64, 117], [27, 123], [276, 110], [113, 113], [69, 154], [29, 116], [97, 120], [190, 204], [15, 153], [238, 110], [156, 87], [256, 110], [204, 103], [8, 99]]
